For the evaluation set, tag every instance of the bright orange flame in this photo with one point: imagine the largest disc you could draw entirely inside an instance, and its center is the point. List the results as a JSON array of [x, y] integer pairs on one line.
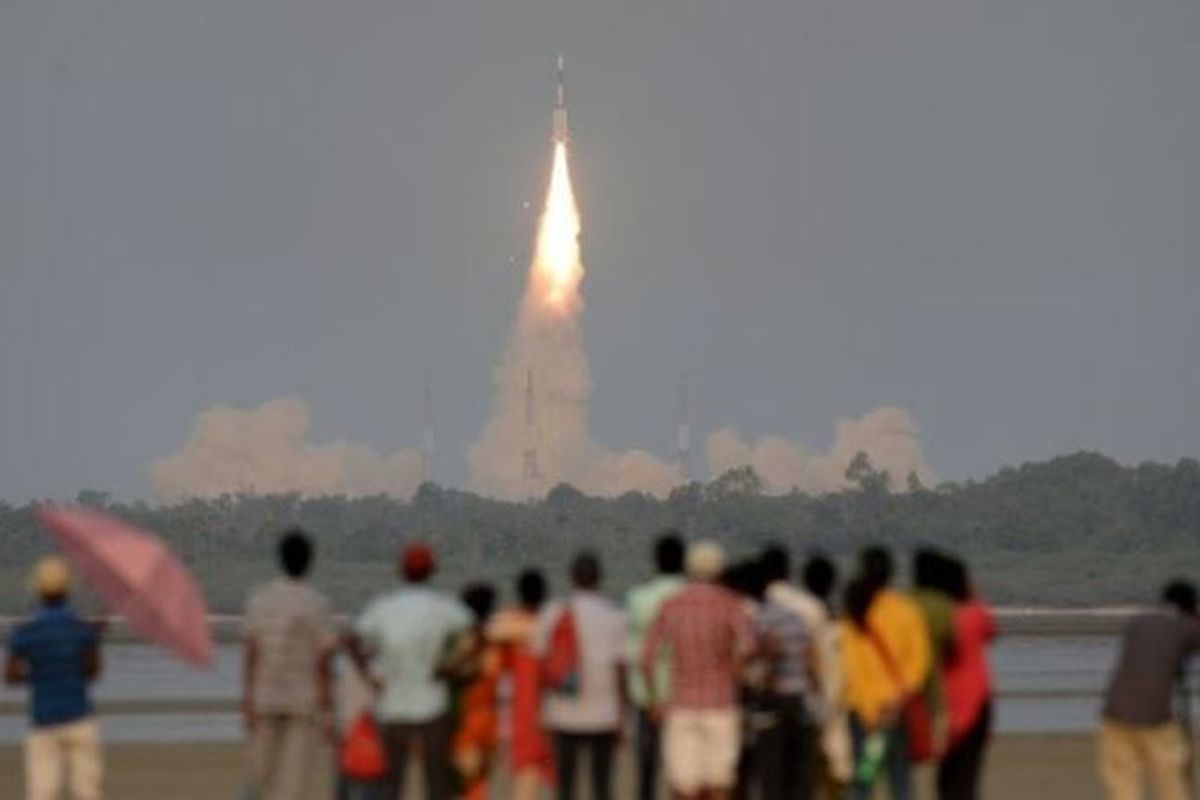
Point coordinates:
[[557, 265]]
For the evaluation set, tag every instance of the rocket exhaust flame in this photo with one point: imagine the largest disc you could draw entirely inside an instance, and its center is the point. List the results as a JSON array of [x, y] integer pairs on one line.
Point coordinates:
[[557, 265]]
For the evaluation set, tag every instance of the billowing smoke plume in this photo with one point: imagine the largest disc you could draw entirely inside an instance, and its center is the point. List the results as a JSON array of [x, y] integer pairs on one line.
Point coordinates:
[[538, 435], [266, 449], [887, 436]]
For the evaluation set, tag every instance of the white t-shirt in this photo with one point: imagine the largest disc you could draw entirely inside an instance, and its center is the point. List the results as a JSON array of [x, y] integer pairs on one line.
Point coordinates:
[[408, 631], [600, 628]]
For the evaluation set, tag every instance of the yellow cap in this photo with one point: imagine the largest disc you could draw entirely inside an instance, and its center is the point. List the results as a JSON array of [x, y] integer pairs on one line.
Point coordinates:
[[705, 560], [51, 577]]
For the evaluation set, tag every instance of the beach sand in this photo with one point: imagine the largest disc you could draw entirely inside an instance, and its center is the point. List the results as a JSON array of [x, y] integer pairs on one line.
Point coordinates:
[[1020, 768]]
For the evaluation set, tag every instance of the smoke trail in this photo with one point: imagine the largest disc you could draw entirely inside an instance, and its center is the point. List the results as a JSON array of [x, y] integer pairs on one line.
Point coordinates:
[[887, 435], [265, 450], [538, 434]]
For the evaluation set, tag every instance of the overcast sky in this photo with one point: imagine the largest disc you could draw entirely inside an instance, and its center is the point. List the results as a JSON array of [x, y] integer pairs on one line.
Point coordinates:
[[985, 212]]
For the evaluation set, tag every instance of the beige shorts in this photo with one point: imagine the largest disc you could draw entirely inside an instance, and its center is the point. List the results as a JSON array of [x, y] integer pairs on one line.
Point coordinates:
[[700, 749], [58, 752]]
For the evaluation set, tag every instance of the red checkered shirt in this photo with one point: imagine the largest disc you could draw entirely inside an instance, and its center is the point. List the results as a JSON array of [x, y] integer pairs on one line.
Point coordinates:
[[706, 634]]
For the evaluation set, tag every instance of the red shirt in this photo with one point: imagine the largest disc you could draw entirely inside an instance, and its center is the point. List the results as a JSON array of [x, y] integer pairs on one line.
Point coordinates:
[[706, 634], [965, 675]]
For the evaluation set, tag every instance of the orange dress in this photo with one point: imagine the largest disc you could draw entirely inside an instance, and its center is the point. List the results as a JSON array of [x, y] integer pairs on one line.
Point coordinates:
[[475, 741], [512, 630]]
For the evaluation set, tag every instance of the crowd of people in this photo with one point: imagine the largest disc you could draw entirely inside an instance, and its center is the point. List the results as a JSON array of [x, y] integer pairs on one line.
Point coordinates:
[[755, 678]]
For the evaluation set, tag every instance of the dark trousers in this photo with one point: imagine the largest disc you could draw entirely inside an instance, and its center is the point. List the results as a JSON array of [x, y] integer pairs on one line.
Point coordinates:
[[649, 755], [599, 746], [897, 770], [962, 765], [430, 741], [785, 749]]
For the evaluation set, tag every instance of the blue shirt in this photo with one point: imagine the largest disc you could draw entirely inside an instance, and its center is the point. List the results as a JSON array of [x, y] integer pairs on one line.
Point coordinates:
[[54, 645]]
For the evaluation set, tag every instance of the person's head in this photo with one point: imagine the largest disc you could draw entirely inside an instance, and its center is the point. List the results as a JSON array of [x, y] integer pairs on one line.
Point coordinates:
[[417, 563], [1181, 595], [745, 578], [51, 580], [480, 598], [860, 593], [820, 576], [531, 589], [705, 561], [775, 563], [875, 566], [931, 570], [957, 580], [295, 553], [585, 572], [669, 553]]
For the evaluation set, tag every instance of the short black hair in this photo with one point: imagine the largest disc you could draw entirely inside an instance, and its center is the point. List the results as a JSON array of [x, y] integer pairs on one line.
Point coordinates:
[[958, 579], [860, 594], [480, 598], [1181, 594], [669, 552], [295, 552], [585, 570], [531, 589], [820, 576], [875, 565], [775, 563], [745, 578]]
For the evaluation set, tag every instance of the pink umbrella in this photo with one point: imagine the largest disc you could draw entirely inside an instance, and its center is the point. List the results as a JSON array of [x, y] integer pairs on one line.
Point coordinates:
[[136, 575]]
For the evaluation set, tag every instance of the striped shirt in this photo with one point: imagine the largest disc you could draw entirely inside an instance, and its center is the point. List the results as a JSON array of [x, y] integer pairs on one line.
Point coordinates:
[[292, 627], [788, 644], [706, 635]]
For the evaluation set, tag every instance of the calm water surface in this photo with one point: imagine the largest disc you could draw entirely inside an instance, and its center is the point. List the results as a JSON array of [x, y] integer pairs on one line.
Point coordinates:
[[1045, 684]]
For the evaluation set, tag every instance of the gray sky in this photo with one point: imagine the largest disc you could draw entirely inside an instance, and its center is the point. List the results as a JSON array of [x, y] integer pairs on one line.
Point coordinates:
[[985, 212]]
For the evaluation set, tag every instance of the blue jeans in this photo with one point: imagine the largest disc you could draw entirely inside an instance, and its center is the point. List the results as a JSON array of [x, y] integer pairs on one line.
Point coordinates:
[[897, 771]]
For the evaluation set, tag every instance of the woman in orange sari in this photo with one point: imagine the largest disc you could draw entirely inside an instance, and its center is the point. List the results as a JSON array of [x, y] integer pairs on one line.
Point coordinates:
[[512, 632], [476, 736]]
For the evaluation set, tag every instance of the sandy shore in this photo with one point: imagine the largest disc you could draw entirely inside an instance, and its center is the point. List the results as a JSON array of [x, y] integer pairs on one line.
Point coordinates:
[[1021, 768]]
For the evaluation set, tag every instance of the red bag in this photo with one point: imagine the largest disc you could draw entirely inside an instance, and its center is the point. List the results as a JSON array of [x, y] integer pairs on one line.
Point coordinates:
[[915, 715], [362, 756], [560, 667]]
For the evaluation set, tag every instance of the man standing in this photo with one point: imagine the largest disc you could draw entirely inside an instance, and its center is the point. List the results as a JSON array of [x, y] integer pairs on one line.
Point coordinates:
[[588, 715], [289, 644], [402, 638], [788, 624], [642, 608], [834, 762], [707, 637], [1138, 733], [58, 655]]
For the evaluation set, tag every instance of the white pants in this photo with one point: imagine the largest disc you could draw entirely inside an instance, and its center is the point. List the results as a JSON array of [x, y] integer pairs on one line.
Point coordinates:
[[72, 750], [700, 749]]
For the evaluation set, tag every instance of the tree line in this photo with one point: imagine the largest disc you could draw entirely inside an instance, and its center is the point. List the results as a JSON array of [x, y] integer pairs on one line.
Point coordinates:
[[1079, 529]]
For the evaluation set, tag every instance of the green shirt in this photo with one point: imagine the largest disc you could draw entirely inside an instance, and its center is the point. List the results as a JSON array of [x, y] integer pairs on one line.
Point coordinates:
[[641, 607], [938, 611]]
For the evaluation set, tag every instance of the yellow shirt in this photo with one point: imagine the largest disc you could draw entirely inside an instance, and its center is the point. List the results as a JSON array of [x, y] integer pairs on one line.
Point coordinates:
[[870, 685]]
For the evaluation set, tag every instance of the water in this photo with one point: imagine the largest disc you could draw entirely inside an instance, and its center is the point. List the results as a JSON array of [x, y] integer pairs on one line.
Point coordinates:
[[1046, 684]]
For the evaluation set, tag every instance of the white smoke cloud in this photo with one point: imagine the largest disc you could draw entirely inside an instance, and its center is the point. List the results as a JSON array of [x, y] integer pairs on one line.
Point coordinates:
[[887, 435], [266, 450]]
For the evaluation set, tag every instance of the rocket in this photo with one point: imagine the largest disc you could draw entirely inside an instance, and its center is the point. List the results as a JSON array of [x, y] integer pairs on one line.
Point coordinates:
[[561, 131]]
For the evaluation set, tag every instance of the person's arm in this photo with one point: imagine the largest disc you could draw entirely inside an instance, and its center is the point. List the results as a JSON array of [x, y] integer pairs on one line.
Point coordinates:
[[93, 663], [16, 670], [648, 662], [325, 693], [249, 676]]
